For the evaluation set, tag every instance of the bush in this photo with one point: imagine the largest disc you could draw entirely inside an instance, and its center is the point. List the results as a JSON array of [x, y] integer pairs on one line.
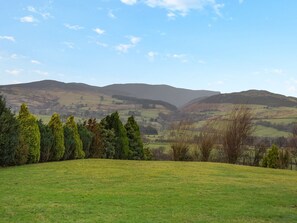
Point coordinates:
[[271, 159]]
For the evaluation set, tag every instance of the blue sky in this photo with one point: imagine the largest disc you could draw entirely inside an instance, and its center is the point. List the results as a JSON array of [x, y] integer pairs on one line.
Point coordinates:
[[225, 45]]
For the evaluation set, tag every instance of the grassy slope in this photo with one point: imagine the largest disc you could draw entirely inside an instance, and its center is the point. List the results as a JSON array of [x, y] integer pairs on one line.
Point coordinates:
[[132, 191]]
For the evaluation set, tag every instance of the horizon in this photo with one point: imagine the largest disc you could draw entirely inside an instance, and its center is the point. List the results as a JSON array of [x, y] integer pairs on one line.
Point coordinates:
[[218, 45]]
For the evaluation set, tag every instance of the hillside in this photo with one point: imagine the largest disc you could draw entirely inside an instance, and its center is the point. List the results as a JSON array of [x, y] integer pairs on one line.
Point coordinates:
[[172, 95], [255, 97], [134, 191]]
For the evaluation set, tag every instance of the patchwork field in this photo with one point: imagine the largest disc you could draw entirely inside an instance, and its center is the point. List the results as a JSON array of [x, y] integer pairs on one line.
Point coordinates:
[[134, 191]]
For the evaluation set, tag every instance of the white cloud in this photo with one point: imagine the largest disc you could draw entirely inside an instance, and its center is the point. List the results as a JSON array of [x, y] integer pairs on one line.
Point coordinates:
[[171, 15], [42, 13], [181, 57], [14, 72], [184, 6], [111, 14], [73, 27], [35, 62], [152, 55], [28, 19], [9, 38], [129, 2], [99, 31], [276, 71], [70, 45], [41, 73], [123, 48], [101, 44], [134, 39], [241, 1]]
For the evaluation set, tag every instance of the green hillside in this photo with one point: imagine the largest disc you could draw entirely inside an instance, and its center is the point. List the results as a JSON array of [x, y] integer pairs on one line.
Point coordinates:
[[133, 191]]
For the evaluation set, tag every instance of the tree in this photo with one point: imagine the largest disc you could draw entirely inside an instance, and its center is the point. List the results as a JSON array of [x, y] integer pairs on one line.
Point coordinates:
[[206, 140], [96, 147], [9, 135], [271, 159], [29, 137], [235, 131], [56, 127], [114, 123], [135, 141], [46, 141], [72, 141], [108, 141], [181, 137], [86, 137]]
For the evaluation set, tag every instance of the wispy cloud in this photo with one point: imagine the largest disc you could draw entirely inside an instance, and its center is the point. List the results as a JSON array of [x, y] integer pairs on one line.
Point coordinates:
[[181, 57], [41, 73], [101, 44], [111, 14], [152, 55], [35, 62], [14, 72], [124, 48], [41, 12], [73, 27], [182, 7], [70, 45], [99, 31], [28, 19], [9, 38], [129, 2], [240, 1]]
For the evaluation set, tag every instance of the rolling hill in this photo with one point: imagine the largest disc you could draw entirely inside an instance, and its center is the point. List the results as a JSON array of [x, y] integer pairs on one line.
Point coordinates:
[[255, 97], [97, 190], [172, 95]]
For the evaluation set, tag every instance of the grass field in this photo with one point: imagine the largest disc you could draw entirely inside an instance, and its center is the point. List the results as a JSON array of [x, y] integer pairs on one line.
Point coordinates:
[[133, 191]]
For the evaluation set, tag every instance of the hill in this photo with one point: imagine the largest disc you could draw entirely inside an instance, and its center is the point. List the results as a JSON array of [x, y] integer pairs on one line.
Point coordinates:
[[134, 191], [255, 97], [172, 95]]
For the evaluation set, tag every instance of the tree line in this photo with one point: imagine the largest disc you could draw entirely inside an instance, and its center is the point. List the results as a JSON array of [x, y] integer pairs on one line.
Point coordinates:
[[230, 139], [25, 140]]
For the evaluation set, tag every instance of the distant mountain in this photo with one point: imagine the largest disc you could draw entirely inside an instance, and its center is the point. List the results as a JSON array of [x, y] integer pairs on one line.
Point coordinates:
[[257, 97], [172, 95]]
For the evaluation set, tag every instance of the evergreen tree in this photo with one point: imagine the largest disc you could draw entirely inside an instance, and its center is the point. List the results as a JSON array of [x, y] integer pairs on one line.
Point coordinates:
[[86, 137], [272, 159], [114, 123], [96, 148], [9, 135], [56, 127], [135, 141], [73, 143], [46, 141], [108, 139], [29, 137]]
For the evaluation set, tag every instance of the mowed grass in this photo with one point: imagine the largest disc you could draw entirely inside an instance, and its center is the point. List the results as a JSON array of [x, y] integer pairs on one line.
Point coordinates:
[[140, 191]]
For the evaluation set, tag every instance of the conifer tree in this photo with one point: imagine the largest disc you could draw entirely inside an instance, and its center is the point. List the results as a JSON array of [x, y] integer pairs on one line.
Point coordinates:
[[29, 137], [135, 141], [114, 123], [46, 141], [73, 143], [86, 137], [9, 135], [56, 127]]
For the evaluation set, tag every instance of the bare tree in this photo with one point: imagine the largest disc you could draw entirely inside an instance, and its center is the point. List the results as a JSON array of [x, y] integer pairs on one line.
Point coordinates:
[[235, 131], [207, 139], [181, 137]]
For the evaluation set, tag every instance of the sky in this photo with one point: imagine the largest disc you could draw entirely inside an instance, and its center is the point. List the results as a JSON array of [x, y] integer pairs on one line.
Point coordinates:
[[222, 45]]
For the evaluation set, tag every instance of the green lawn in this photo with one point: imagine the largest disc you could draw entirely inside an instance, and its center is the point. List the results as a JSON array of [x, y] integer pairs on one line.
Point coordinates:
[[135, 191]]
